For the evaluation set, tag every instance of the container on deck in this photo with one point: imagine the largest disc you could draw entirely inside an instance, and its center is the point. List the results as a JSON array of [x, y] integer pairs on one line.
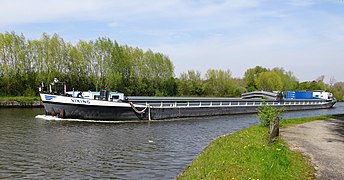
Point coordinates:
[[299, 95]]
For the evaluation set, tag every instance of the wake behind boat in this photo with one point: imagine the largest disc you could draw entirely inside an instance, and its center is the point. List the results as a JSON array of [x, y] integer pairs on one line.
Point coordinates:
[[114, 106]]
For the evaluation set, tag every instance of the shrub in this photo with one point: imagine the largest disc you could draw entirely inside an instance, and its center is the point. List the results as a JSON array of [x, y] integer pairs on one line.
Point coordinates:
[[268, 114], [29, 92]]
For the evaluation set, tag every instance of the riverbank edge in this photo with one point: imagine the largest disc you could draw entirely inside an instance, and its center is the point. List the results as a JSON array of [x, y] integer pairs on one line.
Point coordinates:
[[196, 169], [20, 104]]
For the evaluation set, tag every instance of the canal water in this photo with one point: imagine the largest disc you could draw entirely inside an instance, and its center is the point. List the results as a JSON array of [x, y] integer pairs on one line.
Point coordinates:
[[48, 149]]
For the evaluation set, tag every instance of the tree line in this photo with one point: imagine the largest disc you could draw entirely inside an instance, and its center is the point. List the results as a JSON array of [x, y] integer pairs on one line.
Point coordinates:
[[105, 64], [221, 83], [91, 65]]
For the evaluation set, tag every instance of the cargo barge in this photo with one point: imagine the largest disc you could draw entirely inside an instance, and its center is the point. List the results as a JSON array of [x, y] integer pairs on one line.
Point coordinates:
[[114, 106]]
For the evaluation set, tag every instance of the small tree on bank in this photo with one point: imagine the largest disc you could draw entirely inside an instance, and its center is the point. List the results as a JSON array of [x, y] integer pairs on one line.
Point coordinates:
[[270, 116]]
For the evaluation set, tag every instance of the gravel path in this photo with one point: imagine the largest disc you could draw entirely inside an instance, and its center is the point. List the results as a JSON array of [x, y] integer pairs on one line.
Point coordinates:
[[323, 142]]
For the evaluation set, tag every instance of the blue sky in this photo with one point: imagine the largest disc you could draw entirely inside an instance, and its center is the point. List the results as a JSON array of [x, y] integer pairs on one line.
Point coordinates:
[[302, 36]]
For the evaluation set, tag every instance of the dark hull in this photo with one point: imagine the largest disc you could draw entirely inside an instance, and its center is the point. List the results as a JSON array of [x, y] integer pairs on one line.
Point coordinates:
[[110, 113], [107, 113], [167, 113]]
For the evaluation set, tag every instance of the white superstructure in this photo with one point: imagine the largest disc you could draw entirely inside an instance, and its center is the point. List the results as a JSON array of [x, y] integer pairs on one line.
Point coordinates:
[[322, 95], [111, 96]]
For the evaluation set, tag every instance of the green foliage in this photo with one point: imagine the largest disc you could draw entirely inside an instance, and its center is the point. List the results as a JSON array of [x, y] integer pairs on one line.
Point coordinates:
[[289, 81], [190, 84], [268, 114], [251, 76], [338, 91], [92, 65], [104, 64], [245, 155], [260, 78], [219, 83], [20, 98], [269, 81], [312, 85], [29, 92]]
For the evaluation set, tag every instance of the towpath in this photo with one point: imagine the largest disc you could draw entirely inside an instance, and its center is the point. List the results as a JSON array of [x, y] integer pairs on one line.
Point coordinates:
[[323, 142]]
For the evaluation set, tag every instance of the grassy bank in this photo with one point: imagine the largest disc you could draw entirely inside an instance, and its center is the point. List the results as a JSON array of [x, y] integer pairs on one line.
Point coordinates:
[[246, 155], [20, 98]]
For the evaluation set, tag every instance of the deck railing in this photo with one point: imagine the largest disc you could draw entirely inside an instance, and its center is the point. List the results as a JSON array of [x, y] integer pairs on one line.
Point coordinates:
[[216, 103]]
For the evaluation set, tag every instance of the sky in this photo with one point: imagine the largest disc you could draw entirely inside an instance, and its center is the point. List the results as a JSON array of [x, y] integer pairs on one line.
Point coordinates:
[[305, 37]]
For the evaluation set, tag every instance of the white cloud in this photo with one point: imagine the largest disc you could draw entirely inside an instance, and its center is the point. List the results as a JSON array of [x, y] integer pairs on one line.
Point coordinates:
[[270, 47]]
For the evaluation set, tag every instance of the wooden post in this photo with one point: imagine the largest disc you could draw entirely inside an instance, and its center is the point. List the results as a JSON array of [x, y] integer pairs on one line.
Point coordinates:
[[274, 130]]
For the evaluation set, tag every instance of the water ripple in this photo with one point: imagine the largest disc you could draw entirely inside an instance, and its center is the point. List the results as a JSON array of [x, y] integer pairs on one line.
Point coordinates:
[[34, 148]]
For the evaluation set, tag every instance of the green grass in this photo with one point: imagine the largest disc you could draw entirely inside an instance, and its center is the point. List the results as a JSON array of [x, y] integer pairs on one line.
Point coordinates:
[[246, 155], [20, 98]]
